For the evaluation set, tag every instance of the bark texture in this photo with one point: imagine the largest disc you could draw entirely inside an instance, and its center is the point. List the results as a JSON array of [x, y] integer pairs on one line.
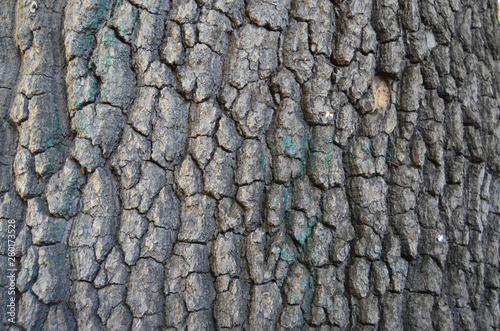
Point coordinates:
[[250, 165]]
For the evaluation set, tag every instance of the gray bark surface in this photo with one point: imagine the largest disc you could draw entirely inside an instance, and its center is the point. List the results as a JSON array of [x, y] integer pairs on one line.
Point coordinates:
[[250, 165]]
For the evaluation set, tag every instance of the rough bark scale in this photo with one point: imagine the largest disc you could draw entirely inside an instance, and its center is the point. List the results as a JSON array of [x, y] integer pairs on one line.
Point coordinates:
[[251, 165]]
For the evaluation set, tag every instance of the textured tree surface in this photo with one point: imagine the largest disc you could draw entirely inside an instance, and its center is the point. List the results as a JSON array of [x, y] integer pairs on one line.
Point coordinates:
[[250, 165]]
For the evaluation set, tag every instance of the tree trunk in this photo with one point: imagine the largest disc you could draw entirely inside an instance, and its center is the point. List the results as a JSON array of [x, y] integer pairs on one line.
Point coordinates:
[[249, 165]]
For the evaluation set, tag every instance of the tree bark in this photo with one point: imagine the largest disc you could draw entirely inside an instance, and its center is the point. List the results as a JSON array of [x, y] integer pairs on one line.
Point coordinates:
[[249, 165]]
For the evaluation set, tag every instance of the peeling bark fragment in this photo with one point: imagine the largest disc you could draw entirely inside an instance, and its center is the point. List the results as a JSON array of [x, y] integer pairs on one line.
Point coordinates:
[[19, 109], [224, 255], [392, 310], [272, 15], [425, 277], [227, 136], [113, 271]]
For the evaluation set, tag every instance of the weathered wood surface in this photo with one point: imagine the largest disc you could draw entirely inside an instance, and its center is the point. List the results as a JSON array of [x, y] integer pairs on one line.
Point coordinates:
[[251, 165]]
